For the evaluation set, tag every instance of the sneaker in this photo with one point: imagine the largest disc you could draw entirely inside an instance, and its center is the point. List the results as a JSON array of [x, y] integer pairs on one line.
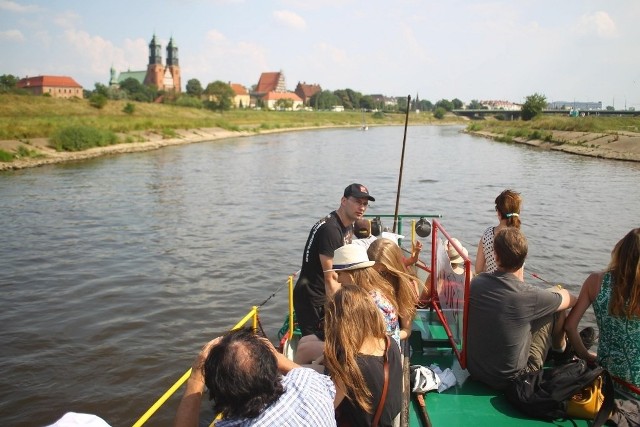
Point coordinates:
[[588, 337]]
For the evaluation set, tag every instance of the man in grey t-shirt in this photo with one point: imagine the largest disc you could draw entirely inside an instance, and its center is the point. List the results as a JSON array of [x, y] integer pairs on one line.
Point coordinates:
[[512, 325]]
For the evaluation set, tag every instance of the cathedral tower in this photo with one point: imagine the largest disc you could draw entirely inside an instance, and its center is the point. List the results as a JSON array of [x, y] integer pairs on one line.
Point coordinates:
[[155, 70], [172, 70]]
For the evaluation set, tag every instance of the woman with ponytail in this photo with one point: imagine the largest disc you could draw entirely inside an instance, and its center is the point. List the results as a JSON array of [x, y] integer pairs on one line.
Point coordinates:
[[508, 211]]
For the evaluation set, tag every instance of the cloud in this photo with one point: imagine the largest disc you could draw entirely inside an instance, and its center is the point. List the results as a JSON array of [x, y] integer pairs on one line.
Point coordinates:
[[215, 36], [599, 23], [66, 19], [290, 19], [12, 35], [16, 7], [223, 59]]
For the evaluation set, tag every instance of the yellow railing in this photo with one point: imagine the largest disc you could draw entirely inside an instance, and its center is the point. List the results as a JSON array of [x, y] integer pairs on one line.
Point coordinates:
[[252, 315]]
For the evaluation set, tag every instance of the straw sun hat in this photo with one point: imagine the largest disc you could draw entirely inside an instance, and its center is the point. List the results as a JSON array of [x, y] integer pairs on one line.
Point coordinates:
[[350, 257], [454, 256]]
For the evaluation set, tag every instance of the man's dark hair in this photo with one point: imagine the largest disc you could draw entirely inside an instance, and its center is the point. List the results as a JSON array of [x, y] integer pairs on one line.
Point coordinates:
[[242, 375], [511, 248]]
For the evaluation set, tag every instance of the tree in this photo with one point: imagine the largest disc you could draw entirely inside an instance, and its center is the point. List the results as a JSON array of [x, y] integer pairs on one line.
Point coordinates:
[[98, 101], [101, 89], [284, 104], [439, 113], [194, 88], [367, 102], [457, 104], [129, 108], [475, 105], [8, 83], [425, 105], [533, 106], [324, 100], [220, 96], [445, 103]]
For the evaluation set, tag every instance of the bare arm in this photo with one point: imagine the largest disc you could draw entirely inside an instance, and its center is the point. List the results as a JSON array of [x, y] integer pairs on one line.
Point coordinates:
[[568, 300], [416, 247], [331, 284], [188, 413], [588, 293], [480, 261], [405, 328]]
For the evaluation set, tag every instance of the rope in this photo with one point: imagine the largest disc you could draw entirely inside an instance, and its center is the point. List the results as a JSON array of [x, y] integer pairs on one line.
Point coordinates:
[[278, 290]]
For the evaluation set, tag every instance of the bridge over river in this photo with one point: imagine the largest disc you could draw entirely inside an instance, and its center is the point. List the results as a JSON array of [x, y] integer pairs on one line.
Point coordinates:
[[515, 114]]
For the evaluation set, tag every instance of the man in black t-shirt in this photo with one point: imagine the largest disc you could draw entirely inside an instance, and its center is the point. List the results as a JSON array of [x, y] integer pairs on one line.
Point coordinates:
[[327, 235]]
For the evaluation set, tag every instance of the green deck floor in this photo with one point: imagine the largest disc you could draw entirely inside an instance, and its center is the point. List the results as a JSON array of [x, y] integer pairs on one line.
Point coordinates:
[[472, 404]]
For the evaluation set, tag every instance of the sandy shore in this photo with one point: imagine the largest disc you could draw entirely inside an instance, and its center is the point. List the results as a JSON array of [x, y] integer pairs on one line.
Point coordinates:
[[618, 146], [148, 141], [614, 146]]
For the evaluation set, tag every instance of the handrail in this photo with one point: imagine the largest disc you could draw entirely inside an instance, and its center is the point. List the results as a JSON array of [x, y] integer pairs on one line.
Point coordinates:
[[252, 315]]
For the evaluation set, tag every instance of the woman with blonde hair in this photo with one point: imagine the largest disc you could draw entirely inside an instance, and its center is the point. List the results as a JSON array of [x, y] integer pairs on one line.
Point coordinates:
[[389, 263], [356, 350], [508, 211], [615, 296]]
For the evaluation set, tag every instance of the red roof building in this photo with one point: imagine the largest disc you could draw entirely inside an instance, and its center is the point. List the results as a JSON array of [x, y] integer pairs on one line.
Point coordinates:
[[56, 86], [305, 91], [271, 82], [241, 98], [271, 100]]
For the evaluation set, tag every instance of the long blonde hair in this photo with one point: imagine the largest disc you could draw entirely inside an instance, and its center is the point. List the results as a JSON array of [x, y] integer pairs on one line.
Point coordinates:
[[351, 317], [370, 280], [625, 269], [387, 253]]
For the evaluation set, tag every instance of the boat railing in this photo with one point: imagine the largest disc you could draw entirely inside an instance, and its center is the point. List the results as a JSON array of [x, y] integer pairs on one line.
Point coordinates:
[[252, 316], [449, 292]]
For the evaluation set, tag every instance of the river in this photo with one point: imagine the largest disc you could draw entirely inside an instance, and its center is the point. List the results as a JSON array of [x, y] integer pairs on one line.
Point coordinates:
[[114, 271]]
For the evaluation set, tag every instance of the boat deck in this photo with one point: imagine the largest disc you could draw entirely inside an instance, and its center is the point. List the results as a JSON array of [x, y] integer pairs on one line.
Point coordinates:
[[473, 403]]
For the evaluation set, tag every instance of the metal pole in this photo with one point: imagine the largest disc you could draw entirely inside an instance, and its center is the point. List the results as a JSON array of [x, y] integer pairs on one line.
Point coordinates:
[[404, 141]]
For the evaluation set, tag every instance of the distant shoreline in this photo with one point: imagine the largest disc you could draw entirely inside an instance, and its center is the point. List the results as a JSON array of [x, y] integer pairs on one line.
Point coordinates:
[[621, 146], [613, 146], [152, 141]]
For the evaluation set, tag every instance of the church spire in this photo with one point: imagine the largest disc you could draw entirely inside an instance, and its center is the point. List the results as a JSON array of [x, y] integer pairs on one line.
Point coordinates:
[[155, 52], [172, 53]]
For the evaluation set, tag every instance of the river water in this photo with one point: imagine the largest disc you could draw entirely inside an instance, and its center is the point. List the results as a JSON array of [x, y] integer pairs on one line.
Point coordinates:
[[114, 271]]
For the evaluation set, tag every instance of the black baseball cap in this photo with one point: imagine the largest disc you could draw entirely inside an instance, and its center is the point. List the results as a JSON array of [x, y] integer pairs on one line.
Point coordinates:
[[358, 191]]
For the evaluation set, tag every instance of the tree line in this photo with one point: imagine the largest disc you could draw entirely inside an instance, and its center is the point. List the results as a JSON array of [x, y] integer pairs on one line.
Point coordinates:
[[218, 96]]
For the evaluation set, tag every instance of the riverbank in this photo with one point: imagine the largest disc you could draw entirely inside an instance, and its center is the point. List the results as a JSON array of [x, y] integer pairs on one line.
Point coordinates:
[[613, 146], [147, 140]]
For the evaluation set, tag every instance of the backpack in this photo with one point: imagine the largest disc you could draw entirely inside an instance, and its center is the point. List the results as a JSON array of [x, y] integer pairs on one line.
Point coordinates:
[[545, 393]]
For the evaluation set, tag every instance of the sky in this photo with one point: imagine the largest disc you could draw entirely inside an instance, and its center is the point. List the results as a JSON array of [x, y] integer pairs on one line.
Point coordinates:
[[566, 50]]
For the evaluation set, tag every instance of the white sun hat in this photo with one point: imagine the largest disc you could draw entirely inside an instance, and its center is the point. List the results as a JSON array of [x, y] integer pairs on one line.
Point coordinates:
[[350, 257]]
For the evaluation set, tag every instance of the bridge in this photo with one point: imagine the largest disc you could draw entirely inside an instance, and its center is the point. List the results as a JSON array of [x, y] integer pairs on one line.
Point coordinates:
[[515, 114]]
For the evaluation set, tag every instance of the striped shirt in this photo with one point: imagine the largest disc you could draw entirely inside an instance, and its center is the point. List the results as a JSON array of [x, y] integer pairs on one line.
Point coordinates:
[[307, 401]]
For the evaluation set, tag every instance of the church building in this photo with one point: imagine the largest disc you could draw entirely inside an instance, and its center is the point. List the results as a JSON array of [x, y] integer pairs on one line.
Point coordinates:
[[164, 77]]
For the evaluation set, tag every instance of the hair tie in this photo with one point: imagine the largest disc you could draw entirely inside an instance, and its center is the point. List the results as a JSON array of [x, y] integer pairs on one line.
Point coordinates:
[[509, 215]]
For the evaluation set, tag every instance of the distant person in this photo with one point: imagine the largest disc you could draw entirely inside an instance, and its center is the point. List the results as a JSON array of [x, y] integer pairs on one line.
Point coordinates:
[[455, 258], [508, 211], [512, 325], [243, 373], [316, 280], [615, 297], [362, 233], [356, 349], [449, 286]]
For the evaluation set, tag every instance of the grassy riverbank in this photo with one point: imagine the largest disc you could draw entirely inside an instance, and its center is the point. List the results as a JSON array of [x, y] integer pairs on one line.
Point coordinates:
[[608, 137], [23, 117], [36, 130]]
